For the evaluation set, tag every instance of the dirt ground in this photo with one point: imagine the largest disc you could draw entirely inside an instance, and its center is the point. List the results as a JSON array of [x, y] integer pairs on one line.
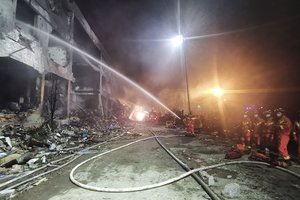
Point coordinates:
[[146, 163]]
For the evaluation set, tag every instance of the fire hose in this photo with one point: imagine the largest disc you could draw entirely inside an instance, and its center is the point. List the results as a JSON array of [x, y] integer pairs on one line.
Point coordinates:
[[206, 188], [45, 166], [163, 183]]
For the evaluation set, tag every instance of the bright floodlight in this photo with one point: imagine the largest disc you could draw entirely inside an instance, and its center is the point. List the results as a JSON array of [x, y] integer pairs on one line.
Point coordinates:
[[177, 40], [218, 92]]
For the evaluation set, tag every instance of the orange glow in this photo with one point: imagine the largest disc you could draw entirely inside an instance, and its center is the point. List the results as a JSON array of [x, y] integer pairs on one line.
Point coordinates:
[[218, 92]]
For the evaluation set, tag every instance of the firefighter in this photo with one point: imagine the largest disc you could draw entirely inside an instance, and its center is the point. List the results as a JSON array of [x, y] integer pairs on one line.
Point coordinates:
[[296, 132], [246, 130], [268, 132], [190, 128], [283, 127], [257, 129]]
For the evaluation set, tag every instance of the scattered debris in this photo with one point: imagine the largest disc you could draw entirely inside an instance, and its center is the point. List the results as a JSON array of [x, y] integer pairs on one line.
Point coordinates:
[[233, 154], [40, 181], [32, 163], [44, 160], [26, 148], [52, 147], [232, 190], [9, 160], [25, 157], [16, 169], [7, 193], [211, 181], [3, 154]]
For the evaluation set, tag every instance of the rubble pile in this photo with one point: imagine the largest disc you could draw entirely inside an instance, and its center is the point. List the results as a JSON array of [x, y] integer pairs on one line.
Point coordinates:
[[23, 149], [12, 117]]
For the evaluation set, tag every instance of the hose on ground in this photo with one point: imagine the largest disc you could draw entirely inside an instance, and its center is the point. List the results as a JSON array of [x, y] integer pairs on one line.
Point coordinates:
[[33, 171], [197, 178], [49, 164], [42, 174], [163, 183]]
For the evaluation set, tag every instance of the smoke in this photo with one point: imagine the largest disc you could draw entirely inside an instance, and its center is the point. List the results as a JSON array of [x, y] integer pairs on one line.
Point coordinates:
[[263, 57]]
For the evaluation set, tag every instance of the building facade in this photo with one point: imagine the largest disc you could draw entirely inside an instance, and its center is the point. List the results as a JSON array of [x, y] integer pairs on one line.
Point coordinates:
[[39, 71]]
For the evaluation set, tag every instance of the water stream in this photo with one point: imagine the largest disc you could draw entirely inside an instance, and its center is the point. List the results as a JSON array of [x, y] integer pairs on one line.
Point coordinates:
[[79, 51]]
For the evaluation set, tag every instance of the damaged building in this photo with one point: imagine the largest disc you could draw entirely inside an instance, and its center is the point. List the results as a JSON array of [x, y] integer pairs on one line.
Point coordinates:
[[38, 72]]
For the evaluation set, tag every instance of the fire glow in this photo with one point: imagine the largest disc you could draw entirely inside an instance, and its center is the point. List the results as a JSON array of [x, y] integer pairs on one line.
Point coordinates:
[[138, 114]]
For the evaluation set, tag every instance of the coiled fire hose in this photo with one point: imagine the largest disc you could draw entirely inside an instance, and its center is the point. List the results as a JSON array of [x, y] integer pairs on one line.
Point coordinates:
[[163, 183]]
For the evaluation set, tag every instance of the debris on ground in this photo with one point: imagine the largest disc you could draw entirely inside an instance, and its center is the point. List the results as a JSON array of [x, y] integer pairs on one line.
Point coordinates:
[[7, 193], [211, 181], [233, 154], [231, 190], [26, 148]]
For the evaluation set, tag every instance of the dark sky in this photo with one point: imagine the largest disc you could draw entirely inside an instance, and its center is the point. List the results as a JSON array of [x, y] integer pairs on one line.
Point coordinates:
[[259, 50]]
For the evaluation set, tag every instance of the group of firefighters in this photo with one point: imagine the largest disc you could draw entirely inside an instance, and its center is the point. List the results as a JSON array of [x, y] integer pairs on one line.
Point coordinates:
[[270, 132]]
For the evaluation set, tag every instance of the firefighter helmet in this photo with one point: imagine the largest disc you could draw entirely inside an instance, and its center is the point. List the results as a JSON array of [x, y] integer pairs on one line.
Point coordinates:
[[256, 114], [267, 113], [246, 114], [279, 112]]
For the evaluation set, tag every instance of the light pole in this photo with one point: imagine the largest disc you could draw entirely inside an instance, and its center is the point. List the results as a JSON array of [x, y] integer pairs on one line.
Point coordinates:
[[179, 41], [183, 58]]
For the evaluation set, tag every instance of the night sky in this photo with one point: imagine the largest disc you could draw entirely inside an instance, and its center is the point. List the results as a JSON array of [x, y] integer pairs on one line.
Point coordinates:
[[258, 53]]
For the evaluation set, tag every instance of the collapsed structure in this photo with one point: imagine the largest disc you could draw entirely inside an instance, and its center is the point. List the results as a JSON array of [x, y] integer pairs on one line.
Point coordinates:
[[37, 71]]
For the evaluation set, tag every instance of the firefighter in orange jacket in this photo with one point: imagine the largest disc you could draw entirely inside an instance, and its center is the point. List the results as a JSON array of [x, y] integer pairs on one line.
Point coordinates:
[[246, 130], [296, 132], [257, 128], [268, 132], [190, 127], [284, 127]]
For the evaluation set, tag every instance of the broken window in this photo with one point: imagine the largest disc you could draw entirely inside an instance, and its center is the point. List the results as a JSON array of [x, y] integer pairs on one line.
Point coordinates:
[[86, 88], [19, 86], [25, 13]]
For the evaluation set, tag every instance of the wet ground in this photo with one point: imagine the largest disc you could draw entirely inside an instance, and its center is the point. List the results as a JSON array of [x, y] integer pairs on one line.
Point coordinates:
[[256, 182], [146, 163]]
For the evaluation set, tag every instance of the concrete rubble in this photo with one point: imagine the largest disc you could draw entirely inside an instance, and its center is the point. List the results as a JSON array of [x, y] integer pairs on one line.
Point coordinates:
[[26, 148]]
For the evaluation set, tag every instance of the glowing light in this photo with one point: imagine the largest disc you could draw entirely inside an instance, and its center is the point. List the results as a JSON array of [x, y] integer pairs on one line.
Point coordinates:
[[177, 40], [140, 116], [218, 92]]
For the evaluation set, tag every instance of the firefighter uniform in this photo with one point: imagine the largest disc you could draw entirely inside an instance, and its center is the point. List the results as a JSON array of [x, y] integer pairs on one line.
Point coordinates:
[[246, 130], [296, 133], [190, 126], [284, 126], [268, 131], [257, 129]]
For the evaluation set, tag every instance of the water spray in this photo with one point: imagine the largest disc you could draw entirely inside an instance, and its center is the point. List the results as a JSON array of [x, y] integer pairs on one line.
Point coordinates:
[[102, 64]]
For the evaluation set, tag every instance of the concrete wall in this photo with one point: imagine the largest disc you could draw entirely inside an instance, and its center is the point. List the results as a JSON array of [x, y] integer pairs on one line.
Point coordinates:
[[31, 48], [7, 15], [41, 52]]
